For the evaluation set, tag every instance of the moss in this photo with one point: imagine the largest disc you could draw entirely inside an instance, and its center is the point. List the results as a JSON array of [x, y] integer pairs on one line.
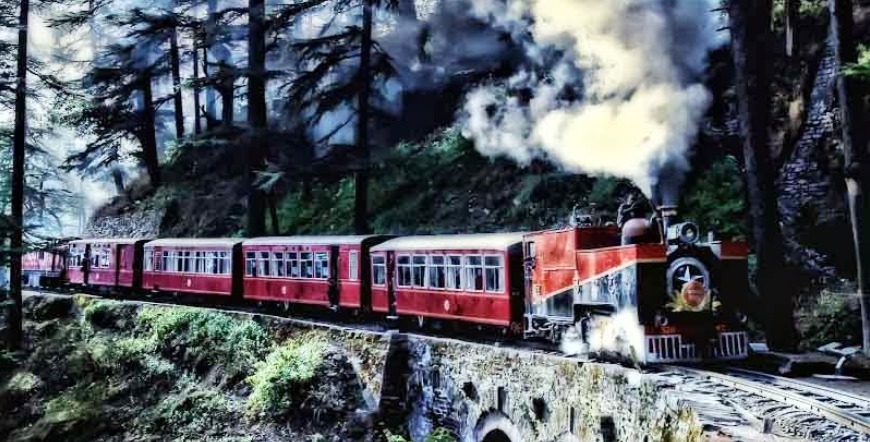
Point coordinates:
[[287, 370], [22, 382], [82, 402]]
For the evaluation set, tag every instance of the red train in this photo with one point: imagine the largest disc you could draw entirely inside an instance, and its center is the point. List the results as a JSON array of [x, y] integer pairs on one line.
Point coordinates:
[[649, 289]]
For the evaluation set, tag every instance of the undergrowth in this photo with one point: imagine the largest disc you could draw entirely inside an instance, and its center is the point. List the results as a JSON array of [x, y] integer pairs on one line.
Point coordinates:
[[280, 379]]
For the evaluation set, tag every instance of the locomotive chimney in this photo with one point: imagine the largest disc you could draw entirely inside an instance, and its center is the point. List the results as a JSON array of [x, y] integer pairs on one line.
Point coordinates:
[[668, 215]]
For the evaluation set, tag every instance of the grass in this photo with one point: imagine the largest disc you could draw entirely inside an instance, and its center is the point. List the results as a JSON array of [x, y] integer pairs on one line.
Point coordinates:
[[283, 376]]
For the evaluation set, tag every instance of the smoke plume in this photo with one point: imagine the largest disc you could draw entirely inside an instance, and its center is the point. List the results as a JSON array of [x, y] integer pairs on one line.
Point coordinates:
[[608, 87]]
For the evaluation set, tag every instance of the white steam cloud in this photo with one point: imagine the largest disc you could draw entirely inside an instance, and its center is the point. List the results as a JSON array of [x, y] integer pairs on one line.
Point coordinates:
[[609, 87]]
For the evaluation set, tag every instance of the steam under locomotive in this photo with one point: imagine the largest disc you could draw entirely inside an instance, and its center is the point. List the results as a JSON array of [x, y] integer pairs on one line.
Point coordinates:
[[648, 289]]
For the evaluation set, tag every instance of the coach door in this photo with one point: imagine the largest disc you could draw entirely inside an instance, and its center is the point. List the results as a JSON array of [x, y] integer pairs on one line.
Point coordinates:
[[391, 284], [119, 254], [334, 290], [86, 266]]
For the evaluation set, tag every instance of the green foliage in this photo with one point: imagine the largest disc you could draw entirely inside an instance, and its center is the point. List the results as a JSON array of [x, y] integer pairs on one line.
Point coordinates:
[[831, 316], [204, 336], [860, 69], [189, 408], [286, 371], [716, 200], [806, 9], [21, 382], [440, 435], [442, 185], [78, 403]]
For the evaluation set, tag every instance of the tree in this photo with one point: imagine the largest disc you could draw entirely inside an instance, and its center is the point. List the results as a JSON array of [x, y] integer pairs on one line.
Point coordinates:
[[853, 125], [122, 107], [338, 70], [17, 243], [750, 36], [256, 113]]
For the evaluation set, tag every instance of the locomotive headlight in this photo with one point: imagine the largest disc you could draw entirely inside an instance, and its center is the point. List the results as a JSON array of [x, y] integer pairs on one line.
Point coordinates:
[[661, 320], [686, 233]]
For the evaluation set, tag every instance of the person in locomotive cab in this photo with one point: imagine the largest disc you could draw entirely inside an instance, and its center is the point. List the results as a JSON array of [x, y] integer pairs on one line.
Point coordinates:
[[632, 222]]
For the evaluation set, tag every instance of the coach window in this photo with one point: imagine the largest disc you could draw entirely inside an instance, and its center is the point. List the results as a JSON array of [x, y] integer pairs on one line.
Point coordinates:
[[436, 271], [306, 265], [278, 264], [106, 257], [224, 263], [494, 269], [293, 265], [403, 266], [197, 262], [353, 266], [263, 267], [418, 270], [165, 261], [250, 264], [321, 265], [454, 272], [379, 270], [474, 273]]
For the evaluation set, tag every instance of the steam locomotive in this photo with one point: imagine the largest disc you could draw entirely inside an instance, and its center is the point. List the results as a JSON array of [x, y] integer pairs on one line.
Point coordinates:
[[649, 290]]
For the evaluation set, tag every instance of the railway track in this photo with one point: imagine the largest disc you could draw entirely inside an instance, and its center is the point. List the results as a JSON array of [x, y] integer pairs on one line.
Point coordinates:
[[846, 409]]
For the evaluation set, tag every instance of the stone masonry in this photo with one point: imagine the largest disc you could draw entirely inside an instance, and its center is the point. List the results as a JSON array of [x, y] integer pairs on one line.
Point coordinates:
[[806, 186]]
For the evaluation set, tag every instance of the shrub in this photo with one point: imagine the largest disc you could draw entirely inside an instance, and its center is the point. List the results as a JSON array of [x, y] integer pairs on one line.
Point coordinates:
[[204, 336], [440, 435], [284, 374], [190, 405], [831, 317]]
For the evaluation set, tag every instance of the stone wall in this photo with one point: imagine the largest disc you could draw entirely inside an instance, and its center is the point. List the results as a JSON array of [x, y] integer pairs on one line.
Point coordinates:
[[809, 196], [474, 390]]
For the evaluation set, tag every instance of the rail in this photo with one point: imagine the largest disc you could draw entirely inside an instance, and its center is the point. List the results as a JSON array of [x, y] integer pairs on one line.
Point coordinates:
[[846, 409]]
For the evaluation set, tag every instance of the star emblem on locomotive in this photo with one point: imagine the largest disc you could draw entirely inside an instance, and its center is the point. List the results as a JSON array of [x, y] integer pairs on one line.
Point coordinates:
[[689, 285]]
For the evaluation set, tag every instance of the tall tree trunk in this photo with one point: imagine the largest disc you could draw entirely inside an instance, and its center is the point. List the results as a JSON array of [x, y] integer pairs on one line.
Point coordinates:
[[360, 213], [149, 138], [175, 62], [197, 118], [792, 9], [227, 76], [118, 179], [854, 126], [750, 37], [17, 240], [210, 34], [256, 113], [273, 213]]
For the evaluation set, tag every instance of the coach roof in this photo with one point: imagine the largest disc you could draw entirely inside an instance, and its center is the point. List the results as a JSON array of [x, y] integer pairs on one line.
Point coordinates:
[[194, 242], [307, 240], [473, 241]]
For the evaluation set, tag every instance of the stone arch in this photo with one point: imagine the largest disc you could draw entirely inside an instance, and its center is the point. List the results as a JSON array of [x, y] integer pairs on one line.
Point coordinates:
[[496, 427]]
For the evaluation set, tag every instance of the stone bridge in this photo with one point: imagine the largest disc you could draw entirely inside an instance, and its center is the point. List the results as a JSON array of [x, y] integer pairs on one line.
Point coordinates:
[[490, 394]]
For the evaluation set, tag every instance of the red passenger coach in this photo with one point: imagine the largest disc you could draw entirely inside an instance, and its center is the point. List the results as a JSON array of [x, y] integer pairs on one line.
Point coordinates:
[[106, 263], [42, 267], [474, 278], [209, 266], [316, 270]]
